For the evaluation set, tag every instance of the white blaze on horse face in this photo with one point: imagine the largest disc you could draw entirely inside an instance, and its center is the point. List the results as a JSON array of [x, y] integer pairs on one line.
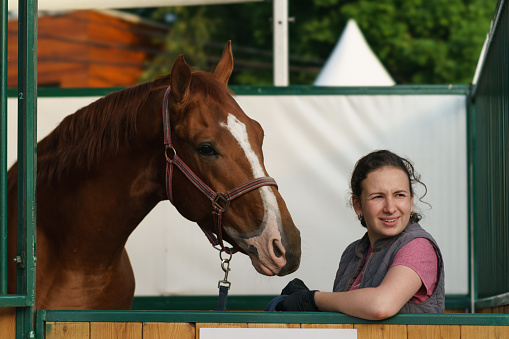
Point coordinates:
[[269, 232]]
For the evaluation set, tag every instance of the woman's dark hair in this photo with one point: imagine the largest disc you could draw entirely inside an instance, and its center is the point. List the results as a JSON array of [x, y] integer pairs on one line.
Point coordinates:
[[379, 159]]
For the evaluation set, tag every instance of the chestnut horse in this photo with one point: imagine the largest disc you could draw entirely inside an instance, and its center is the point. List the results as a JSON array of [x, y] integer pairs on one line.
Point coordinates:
[[104, 168]]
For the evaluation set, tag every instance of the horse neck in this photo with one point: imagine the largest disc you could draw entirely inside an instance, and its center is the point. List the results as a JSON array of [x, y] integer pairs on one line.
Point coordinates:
[[98, 210]]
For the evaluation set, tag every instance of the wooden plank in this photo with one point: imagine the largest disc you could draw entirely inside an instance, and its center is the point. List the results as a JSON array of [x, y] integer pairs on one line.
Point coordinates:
[[380, 331], [169, 330], [83, 38], [217, 325], [434, 331], [476, 332], [502, 309], [272, 325], [111, 75], [62, 26], [67, 330], [496, 309], [106, 330], [327, 326], [8, 322]]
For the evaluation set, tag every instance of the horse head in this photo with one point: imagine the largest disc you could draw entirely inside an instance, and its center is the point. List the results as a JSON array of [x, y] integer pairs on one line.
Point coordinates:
[[222, 146]]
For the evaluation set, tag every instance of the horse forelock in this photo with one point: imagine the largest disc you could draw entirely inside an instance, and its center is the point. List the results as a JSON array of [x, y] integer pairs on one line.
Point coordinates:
[[208, 86], [81, 138]]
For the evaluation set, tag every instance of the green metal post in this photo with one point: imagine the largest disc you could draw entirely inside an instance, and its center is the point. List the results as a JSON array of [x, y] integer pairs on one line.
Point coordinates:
[[3, 147], [472, 190], [27, 164]]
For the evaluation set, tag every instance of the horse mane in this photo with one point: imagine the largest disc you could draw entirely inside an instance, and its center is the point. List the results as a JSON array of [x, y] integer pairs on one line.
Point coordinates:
[[81, 138]]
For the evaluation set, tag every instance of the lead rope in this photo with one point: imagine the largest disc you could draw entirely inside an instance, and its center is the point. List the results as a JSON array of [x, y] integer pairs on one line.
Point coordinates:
[[224, 285]]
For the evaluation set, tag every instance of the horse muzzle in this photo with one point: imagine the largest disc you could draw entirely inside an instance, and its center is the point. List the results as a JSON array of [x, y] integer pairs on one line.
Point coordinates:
[[274, 259]]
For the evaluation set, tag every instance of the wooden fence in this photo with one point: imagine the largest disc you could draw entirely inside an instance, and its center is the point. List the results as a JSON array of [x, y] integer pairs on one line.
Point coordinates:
[[105, 330], [187, 324]]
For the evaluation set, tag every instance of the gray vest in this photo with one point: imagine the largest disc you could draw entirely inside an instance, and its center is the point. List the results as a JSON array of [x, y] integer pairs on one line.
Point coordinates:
[[379, 263]]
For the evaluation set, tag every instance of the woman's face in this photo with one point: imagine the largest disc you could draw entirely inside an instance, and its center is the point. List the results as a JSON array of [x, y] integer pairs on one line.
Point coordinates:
[[385, 202]]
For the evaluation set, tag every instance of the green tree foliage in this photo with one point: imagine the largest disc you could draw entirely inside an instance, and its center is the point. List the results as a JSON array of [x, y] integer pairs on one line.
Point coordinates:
[[200, 33], [189, 33], [425, 41], [418, 41]]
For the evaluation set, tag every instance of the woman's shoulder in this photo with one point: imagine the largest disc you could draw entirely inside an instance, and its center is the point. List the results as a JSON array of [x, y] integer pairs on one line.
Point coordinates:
[[415, 231], [417, 248]]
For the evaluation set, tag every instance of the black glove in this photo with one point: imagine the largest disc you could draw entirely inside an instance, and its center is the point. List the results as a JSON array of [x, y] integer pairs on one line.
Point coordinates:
[[303, 300], [294, 286]]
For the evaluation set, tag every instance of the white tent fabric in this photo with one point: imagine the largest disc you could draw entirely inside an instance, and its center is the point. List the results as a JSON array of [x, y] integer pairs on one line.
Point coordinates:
[[353, 63], [51, 5]]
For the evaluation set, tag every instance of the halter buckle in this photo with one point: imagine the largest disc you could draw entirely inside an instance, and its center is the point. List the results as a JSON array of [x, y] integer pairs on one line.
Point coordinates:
[[216, 205]]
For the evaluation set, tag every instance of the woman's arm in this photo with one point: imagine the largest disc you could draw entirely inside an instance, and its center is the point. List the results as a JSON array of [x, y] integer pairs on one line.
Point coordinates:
[[374, 303]]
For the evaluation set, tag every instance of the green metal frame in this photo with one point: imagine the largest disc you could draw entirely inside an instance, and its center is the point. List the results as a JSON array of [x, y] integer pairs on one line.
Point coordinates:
[[28, 320], [472, 281], [3, 147], [27, 162], [243, 302], [489, 139], [27, 147], [24, 300], [191, 303], [199, 302], [267, 317], [453, 89]]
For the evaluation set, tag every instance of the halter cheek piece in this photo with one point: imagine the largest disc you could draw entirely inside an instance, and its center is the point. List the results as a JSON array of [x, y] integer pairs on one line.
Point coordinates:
[[220, 201]]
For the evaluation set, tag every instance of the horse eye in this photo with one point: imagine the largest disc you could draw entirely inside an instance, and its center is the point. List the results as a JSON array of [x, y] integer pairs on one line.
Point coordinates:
[[207, 150]]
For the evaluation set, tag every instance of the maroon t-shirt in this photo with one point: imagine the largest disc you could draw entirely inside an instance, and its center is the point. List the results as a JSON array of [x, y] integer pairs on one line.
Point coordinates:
[[418, 255]]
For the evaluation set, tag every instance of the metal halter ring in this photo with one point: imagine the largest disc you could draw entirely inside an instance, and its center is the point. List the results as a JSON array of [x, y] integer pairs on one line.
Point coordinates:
[[217, 205], [221, 257], [166, 153]]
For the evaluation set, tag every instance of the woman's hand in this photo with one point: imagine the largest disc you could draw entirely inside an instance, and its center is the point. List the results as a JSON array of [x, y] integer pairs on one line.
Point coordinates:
[[299, 298], [303, 301], [294, 286]]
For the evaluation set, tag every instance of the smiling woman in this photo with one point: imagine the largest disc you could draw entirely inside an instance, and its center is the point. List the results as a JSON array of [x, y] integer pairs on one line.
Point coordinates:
[[396, 267]]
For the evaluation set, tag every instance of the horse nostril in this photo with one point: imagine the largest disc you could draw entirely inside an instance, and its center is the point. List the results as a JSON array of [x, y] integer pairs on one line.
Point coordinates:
[[253, 250], [277, 251]]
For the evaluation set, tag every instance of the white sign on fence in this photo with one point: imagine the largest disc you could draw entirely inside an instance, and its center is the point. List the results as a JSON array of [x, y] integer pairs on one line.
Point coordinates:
[[278, 333]]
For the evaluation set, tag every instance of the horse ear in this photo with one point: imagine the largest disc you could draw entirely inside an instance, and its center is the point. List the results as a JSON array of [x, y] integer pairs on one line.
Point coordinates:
[[180, 80], [225, 66]]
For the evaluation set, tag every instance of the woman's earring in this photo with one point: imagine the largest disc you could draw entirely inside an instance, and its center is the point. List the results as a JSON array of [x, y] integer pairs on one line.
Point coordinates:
[[360, 217], [411, 215]]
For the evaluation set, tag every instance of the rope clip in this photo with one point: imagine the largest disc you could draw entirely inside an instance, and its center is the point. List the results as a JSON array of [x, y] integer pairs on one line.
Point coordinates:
[[225, 265]]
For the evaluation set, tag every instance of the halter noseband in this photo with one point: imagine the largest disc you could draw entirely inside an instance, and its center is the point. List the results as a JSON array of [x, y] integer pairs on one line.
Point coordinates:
[[220, 201]]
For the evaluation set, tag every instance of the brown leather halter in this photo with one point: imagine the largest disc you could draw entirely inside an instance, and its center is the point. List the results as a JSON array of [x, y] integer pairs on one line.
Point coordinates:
[[220, 201]]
